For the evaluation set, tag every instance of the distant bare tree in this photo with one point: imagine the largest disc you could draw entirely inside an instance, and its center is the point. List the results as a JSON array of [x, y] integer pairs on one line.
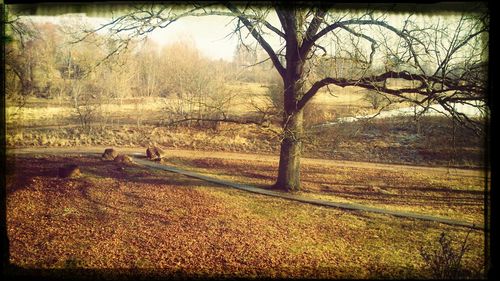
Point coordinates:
[[20, 59], [86, 101], [198, 94]]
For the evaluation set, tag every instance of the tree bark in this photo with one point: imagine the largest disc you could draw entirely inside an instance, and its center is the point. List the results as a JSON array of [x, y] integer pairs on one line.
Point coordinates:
[[293, 82], [291, 150]]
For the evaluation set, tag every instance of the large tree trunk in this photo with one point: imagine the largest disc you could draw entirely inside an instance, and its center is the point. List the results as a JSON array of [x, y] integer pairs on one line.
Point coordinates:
[[293, 119], [293, 82], [291, 150]]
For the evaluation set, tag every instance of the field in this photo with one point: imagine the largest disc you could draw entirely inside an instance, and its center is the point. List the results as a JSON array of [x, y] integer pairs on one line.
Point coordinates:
[[126, 217], [123, 220], [323, 142]]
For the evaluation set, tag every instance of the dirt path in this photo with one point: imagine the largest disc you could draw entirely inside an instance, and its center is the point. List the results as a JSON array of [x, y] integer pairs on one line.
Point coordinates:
[[349, 206], [255, 157]]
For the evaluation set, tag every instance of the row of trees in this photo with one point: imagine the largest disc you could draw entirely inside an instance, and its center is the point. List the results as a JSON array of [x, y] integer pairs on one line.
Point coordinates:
[[48, 60], [43, 60]]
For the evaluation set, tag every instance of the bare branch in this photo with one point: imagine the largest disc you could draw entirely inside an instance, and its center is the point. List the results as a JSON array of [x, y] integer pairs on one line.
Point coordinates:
[[372, 41], [315, 23], [371, 83], [265, 45]]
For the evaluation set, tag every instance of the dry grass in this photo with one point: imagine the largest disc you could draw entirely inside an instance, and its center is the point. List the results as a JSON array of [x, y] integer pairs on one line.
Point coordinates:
[[395, 140], [127, 217], [48, 123], [42, 112], [457, 194], [230, 137], [386, 141]]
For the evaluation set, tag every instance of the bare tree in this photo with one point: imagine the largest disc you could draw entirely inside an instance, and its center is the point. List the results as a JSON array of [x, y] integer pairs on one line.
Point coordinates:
[[194, 85], [19, 59], [445, 57]]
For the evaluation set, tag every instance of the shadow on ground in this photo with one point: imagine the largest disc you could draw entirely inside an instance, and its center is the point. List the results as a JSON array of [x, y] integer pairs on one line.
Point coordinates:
[[22, 170]]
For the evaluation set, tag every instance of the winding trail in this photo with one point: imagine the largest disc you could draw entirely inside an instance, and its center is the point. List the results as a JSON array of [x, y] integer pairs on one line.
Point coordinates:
[[139, 158]]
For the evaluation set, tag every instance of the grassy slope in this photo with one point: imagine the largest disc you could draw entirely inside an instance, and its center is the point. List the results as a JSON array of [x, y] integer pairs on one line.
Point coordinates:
[[128, 217]]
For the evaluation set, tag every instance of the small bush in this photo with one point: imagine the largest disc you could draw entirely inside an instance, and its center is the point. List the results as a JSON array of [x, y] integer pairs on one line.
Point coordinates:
[[315, 114], [445, 260], [376, 100]]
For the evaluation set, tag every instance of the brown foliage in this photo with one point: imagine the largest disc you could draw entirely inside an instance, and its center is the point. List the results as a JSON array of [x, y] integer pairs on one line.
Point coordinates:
[[135, 218]]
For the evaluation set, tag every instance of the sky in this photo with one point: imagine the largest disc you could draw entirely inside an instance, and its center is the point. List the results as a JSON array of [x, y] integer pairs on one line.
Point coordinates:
[[208, 33]]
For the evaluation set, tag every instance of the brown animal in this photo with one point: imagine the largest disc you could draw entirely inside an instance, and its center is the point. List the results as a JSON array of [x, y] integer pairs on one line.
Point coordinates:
[[122, 158], [69, 171], [155, 153], [109, 154]]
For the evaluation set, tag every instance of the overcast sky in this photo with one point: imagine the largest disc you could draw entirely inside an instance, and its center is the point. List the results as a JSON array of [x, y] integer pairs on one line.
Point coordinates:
[[208, 33]]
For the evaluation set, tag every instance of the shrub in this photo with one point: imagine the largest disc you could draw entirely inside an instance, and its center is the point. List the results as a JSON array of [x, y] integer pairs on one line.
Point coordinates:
[[316, 114], [376, 100], [445, 260]]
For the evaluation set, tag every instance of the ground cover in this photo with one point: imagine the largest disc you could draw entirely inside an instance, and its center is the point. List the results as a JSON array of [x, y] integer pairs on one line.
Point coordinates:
[[122, 217]]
